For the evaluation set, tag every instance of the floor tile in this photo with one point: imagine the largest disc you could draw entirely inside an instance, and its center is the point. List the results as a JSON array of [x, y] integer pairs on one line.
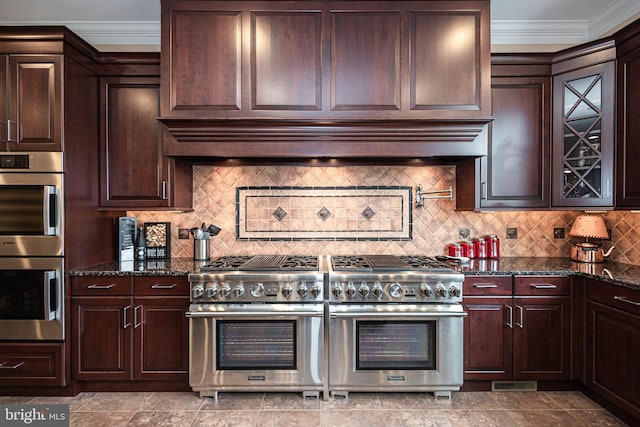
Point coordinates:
[[100, 419], [470, 400], [75, 402], [225, 418], [163, 418], [541, 417], [572, 400], [407, 400], [233, 401], [289, 401], [352, 418], [416, 418], [596, 417], [354, 401], [117, 401], [289, 418], [182, 401], [479, 417], [524, 400]]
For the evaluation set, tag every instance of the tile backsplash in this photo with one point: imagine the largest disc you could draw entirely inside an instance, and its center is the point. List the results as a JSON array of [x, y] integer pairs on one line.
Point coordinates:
[[217, 191]]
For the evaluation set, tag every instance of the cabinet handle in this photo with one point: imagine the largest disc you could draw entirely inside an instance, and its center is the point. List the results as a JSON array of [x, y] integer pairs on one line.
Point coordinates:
[[521, 323], [485, 285], [628, 301], [94, 286], [125, 317], [164, 190], [510, 322], [543, 286], [483, 190], [16, 366], [135, 317], [157, 286], [9, 139]]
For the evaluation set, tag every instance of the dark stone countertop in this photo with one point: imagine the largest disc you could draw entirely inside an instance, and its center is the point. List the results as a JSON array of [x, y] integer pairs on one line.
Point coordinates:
[[616, 273]]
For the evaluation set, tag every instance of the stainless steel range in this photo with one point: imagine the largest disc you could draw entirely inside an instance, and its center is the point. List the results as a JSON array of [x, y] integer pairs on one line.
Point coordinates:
[[395, 324], [256, 323]]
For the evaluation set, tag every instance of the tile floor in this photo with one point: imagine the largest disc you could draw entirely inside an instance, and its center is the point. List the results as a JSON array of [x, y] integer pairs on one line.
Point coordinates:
[[359, 409]]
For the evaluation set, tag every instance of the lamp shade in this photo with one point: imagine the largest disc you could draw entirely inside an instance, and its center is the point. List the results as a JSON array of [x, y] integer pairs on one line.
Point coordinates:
[[592, 226]]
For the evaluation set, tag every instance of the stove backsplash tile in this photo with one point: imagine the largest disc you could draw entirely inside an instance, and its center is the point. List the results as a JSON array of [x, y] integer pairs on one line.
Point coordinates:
[[433, 227]]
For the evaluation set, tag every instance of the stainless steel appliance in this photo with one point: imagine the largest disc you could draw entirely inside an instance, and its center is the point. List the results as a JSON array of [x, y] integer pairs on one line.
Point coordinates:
[[31, 246], [31, 204], [395, 324], [32, 298], [256, 323]]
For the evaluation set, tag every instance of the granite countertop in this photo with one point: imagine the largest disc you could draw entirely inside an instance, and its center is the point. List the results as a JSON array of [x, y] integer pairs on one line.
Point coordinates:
[[616, 273]]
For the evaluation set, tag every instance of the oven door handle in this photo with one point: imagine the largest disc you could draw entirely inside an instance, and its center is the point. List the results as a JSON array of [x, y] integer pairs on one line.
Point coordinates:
[[266, 314], [50, 207], [398, 315], [51, 297]]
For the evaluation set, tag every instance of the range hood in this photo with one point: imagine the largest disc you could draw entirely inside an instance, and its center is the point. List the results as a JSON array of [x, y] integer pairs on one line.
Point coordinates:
[[325, 78]]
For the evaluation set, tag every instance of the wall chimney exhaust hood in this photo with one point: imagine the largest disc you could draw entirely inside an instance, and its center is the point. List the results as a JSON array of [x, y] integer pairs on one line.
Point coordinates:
[[325, 78]]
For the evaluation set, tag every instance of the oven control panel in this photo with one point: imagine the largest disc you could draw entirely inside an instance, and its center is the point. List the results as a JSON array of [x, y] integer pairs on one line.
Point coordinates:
[[381, 291], [255, 291]]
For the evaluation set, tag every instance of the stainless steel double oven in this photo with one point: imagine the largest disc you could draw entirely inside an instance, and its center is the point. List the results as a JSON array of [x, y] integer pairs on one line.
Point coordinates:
[[32, 246], [257, 324]]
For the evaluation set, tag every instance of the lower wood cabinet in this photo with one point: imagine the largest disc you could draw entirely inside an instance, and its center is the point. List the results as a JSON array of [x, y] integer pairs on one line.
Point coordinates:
[[32, 364], [127, 328], [517, 328], [613, 345]]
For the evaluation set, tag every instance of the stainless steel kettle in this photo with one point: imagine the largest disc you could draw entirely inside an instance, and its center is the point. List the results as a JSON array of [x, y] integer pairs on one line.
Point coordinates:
[[589, 252]]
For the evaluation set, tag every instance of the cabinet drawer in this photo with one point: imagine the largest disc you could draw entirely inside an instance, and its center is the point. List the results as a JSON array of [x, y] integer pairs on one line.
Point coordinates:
[[487, 285], [162, 285], [101, 285], [31, 364], [541, 285], [625, 299]]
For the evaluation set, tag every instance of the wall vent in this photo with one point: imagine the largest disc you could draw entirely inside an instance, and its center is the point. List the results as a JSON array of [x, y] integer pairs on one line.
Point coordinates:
[[514, 386]]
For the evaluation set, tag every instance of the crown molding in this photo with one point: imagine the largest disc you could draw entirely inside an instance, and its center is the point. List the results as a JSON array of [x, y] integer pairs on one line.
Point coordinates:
[[612, 17], [539, 32]]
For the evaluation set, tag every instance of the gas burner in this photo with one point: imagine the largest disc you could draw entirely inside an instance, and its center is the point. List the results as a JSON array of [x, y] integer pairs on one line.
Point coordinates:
[[371, 263], [231, 262], [427, 263], [263, 263]]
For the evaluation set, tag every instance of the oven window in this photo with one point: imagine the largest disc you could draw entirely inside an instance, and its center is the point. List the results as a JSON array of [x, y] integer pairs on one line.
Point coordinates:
[[396, 345], [22, 295], [256, 344], [21, 210]]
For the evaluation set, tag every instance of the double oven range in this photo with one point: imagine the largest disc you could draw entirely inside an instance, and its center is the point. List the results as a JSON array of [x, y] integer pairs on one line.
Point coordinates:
[[330, 324]]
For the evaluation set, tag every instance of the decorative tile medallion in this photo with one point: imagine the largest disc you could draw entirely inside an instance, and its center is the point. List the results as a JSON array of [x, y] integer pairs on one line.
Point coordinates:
[[324, 213]]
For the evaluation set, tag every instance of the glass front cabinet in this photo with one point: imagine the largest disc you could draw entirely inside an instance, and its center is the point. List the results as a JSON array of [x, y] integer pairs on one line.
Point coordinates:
[[583, 137]]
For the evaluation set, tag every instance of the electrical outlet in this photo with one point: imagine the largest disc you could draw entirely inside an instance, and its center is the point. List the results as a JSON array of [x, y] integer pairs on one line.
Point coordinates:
[[512, 233], [558, 233], [183, 233]]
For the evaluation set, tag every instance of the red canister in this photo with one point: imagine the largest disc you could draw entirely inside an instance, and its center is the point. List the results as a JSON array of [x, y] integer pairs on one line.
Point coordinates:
[[480, 247], [468, 250], [493, 246], [455, 249]]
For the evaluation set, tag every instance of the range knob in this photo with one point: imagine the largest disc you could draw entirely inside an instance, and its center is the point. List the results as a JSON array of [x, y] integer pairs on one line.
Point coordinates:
[[257, 290], [395, 290], [302, 289], [351, 289], [197, 291], [454, 291], [238, 290], [225, 291], [425, 290], [441, 291], [287, 290], [336, 290], [211, 291], [316, 290], [363, 290], [377, 290]]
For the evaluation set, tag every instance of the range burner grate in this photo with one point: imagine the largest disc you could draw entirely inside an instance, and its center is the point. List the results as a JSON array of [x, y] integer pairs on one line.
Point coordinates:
[[372, 263], [263, 263]]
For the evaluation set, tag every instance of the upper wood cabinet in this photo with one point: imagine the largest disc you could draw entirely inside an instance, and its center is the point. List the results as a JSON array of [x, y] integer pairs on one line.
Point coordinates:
[[412, 73], [373, 60], [515, 172], [583, 127], [31, 102]]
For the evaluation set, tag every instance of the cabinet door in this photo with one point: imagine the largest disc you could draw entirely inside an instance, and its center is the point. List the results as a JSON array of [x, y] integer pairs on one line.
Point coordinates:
[[628, 135], [583, 137], [133, 168], [101, 330], [35, 103], [541, 341], [488, 332], [515, 173], [32, 364], [161, 338]]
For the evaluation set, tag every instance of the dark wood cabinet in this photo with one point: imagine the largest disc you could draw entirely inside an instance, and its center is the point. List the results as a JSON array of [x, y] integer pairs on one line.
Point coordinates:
[[613, 345], [517, 328], [31, 98], [583, 127], [134, 171], [628, 111], [319, 78], [515, 173], [128, 329], [32, 364]]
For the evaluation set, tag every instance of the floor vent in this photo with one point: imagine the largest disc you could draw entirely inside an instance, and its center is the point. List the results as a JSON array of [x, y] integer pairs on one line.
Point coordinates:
[[514, 386]]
